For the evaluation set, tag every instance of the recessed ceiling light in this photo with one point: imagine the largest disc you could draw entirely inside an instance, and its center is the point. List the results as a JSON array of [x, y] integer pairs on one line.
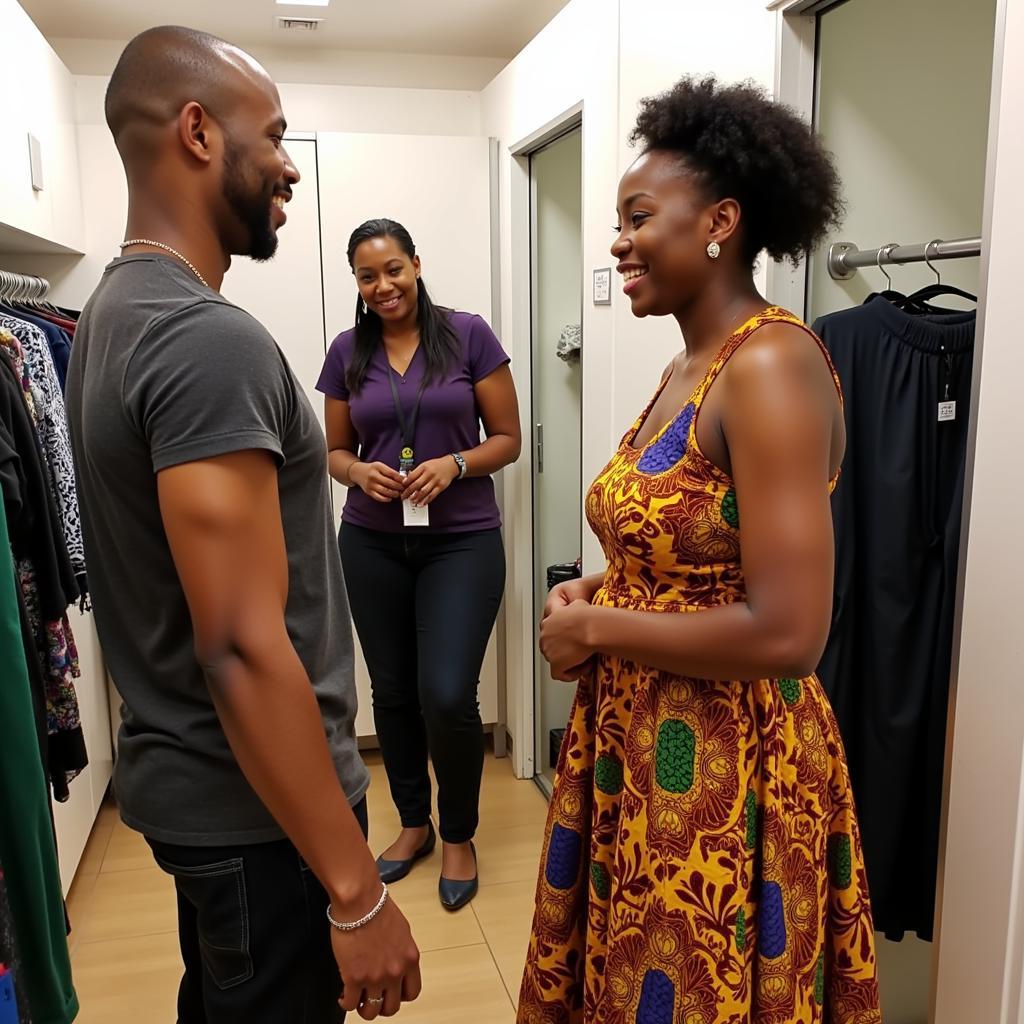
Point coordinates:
[[303, 3]]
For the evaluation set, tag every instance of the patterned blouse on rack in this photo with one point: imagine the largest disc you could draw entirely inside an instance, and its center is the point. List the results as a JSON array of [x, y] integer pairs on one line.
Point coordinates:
[[52, 426]]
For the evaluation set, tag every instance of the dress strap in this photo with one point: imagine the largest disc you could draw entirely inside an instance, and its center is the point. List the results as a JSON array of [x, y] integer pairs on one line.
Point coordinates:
[[771, 315]]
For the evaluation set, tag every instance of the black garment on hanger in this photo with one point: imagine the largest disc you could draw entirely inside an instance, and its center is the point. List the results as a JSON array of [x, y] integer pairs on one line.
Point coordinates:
[[897, 514], [32, 517]]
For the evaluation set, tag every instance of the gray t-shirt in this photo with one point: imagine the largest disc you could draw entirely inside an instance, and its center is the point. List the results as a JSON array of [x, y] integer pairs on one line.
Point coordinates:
[[164, 372]]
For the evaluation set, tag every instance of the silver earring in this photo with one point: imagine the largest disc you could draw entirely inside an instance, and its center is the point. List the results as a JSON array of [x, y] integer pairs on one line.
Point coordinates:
[[714, 250], [366, 309]]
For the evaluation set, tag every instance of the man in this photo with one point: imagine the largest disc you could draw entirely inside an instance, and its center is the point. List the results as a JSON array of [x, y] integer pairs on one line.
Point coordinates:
[[218, 590]]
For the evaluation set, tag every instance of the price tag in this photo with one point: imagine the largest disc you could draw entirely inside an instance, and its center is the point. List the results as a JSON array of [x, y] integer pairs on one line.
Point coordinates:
[[947, 411]]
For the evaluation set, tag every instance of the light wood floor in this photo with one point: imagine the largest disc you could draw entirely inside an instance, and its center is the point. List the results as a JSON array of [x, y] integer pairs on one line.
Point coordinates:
[[124, 945]]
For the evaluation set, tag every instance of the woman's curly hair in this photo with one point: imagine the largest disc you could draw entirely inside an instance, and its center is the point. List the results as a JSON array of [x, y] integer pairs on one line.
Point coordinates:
[[740, 144]]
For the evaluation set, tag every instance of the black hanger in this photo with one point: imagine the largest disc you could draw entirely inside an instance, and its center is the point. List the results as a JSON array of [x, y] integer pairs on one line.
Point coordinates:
[[934, 291], [923, 296], [913, 304], [888, 294]]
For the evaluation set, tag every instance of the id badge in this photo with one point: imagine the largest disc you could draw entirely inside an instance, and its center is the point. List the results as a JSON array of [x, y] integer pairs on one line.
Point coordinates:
[[412, 515], [415, 515]]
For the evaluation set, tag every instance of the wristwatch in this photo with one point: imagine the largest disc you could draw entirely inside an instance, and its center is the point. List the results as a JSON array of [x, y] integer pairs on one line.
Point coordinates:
[[461, 463]]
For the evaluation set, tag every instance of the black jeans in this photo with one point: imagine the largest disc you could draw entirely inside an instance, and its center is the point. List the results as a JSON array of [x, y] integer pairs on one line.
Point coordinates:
[[424, 606], [254, 935]]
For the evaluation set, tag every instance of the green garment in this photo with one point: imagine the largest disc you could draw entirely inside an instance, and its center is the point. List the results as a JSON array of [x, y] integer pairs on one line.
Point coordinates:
[[27, 849]]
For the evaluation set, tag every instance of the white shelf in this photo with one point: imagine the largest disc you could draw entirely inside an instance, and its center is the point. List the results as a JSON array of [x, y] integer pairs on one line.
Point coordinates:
[[14, 241]]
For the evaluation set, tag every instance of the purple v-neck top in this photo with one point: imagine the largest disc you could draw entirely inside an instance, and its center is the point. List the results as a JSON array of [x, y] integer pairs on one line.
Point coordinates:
[[449, 421]]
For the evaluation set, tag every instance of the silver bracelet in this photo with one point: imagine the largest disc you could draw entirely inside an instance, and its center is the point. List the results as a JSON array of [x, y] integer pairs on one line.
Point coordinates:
[[351, 926]]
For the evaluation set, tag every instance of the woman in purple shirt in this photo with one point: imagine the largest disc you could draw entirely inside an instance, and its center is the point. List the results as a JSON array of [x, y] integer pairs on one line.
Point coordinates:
[[407, 390]]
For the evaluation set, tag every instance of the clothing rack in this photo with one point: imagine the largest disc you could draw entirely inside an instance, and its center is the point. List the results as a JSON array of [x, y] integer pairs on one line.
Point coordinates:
[[844, 258], [22, 287]]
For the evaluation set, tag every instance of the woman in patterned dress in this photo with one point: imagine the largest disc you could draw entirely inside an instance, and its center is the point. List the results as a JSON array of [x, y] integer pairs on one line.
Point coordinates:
[[702, 862]]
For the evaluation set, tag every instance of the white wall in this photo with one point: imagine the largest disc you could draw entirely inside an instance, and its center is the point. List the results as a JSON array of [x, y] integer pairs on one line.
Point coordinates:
[[910, 141], [323, 108], [605, 55], [309, 108], [436, 186], [574, 60], [38, 97], [981, 950], [661, 40], [323, 67], [338, 108]]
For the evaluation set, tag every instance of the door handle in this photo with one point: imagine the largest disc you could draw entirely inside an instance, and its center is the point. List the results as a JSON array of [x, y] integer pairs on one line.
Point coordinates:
[[540, 447]]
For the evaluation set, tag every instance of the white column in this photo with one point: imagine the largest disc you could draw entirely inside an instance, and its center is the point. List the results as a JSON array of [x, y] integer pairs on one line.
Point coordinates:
[[982, 910]]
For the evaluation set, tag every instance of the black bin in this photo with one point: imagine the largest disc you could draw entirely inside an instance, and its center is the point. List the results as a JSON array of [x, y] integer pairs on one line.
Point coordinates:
[[563, 571]]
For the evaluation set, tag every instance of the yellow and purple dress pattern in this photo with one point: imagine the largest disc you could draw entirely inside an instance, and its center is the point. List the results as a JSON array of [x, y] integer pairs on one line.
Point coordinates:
[[702, 862]]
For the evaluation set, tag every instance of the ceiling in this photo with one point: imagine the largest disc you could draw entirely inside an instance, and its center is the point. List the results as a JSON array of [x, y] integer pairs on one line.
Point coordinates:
[[468, 28]]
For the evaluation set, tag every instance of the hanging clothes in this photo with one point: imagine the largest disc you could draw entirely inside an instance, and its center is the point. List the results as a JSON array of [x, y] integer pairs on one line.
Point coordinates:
[[27, 849], [45, 577], [10, 348], [52, 426], [57, 655], [897, 530], [57, 337]]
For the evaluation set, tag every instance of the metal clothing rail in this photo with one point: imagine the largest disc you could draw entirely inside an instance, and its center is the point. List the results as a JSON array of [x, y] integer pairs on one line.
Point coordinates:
[[844, 258], [22, 287]]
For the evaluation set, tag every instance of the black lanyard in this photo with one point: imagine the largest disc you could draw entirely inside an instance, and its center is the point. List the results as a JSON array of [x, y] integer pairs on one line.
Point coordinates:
[[407, 426]]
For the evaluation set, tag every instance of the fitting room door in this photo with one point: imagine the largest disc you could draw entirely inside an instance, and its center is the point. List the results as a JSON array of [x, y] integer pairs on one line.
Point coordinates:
[[556, 200]]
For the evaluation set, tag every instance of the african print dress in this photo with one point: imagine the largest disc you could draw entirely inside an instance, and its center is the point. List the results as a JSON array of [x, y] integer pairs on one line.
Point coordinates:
[[702, 862]]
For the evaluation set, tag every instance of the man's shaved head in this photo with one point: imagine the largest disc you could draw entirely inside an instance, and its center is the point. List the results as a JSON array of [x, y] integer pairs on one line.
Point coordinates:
[[200, 130], [165, 68]]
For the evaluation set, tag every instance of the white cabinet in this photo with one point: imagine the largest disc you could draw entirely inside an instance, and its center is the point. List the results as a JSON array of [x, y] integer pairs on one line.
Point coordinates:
[[38, 93]]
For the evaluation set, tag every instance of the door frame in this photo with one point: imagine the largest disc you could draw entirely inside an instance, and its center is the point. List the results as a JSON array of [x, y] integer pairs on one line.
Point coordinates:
[[537, 438], [522, 617]]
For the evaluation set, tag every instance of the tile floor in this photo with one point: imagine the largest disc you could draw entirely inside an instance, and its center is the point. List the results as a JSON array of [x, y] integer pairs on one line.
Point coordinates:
[[124, 942]]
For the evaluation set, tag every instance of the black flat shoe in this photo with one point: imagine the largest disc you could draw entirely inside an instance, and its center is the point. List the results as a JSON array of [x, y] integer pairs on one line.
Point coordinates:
[[456, 895], [394, 870]]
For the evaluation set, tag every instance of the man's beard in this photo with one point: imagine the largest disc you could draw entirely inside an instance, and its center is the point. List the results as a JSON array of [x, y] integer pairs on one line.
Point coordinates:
[[251, 206]]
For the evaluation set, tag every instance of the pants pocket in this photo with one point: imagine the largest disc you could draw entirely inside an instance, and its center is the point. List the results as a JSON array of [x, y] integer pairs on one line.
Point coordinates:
[[217, 891]]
